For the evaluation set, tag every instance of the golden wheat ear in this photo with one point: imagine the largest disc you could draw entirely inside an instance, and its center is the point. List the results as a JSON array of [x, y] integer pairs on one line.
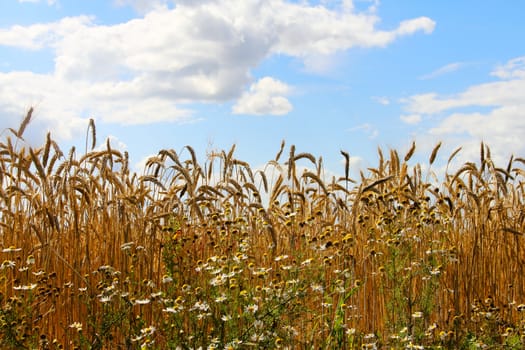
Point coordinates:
[[434, 153], [93, 129], [27, 119], [25, 123]]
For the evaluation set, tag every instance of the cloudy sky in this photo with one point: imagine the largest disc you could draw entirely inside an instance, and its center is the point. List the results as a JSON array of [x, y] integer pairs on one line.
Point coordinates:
[[324, 75]]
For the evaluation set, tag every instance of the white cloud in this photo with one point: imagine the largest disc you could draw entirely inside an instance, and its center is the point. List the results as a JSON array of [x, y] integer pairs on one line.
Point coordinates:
[[265, 97], [412, 26], [515, 68], [146, 69], [40, 35], [492, 94], [366, 128], [491, 112], [385, 101], [449, 68], [411, 118]]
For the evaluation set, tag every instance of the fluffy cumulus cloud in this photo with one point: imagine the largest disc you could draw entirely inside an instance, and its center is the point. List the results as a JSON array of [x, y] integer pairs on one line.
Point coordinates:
[[176, 53], [266, 96], [498, 120]]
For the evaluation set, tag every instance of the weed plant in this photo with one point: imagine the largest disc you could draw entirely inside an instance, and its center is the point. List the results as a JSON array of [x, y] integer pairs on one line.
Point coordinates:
[[217, 255]]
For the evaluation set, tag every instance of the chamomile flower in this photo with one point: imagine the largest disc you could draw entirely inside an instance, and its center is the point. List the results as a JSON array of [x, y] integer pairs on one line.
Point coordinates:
[[7, 264], [11, 249], [317, 288], [77, 326], [25, 287], [201, 306], [251, 309], [417, 314]]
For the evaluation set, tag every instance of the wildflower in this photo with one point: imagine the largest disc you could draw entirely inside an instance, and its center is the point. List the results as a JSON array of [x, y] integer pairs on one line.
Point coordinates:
[[261, 272], [109, 288], [251, 309], [106, 268], [307, 262], [521, 307], [291, 282], [240, 256], [350, 331], [417, 314], [221, 298], [431, 329], [218, 280], [171, 310], [348, 238], [186, 288], [508, 331], [370, 346], [226, 318], [317, 288], [127, 246], [7, 264], [281, 257], [105, 298], [146, 344], [148, 330], [77, 326], [436, 271], [155, 295], [149, 283], [255, 337], [26, 287], [11, 249], [30, 260], [142, 301], [216, 271], [201, 306], [234, 344], [166, 279]]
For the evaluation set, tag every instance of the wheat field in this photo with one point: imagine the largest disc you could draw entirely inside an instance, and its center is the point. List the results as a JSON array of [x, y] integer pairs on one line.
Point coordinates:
[[212, 254]]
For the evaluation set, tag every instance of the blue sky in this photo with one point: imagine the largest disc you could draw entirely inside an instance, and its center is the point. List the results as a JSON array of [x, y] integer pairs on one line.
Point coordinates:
[[323, 75]]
